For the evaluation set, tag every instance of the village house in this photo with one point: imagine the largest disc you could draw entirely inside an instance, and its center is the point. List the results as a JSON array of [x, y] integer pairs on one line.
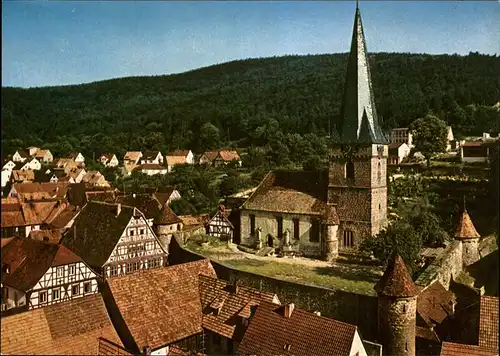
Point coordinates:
[[65, 164], [227, 311], [402, 135], [77, 174], [320, 213], [397, 152], [37, 274], [208, 157], [152, 157], [270, 333], [95, 179], [44, 156], [61, 177], [6, 177], [39, 191], [152, 169], [155, 329], [223, 158], [476, 151], [187, 154], [76, 327], [109, 160], [128, 169], [132, 157], [22, 176], [32, 164], [10, 165], [172, 161], [32, 150], [167, 195], [78, 158], [219, 225], [114, 239], [20, 156]]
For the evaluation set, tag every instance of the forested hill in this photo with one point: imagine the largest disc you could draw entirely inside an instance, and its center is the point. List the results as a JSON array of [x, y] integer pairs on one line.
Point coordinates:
[[302, 93]]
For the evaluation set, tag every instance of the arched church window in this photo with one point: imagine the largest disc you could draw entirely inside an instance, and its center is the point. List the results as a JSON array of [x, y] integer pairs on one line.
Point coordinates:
[[379, 173], [348, 238], [349, 170]]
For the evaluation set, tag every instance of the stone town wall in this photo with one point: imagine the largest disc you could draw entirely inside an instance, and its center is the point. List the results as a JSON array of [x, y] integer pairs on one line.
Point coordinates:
[[446, 266], [357, 309]]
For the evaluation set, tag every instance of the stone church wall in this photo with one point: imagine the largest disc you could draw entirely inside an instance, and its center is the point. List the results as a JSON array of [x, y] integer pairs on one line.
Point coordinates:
[[446, 266]]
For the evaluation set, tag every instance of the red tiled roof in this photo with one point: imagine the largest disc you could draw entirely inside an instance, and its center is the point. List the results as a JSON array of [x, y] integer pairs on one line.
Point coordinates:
[[228, 156], [132, 155], [12, 214], [52, 236], [453, 349], [212, 289], [161, 306], [426, 333], [182, 153], [172, 160], [435, 303], [396, 281], [465, 228], [306, 333], [210, 155], [488, 323], [167, 217], [6, 240], [25, 190], [67, 328], [194, 220]]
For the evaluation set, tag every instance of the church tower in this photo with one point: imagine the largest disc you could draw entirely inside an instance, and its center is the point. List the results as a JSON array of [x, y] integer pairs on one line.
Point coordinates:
[[397, 309], [466, 232], [357, 177]]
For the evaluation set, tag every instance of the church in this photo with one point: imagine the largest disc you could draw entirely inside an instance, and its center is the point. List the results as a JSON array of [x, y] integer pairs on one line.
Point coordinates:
[[319, 214]]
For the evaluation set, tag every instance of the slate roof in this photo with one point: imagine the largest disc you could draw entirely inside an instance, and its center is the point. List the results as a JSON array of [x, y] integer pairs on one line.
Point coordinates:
[[453, 349], [30, 259], [306, 333], [465, 228], [144, 202], [396, 281], [67, 328], [167, 217], [290, 192], [162, 305], [233, 304], [359, 121], [97, 229], [488, 323]]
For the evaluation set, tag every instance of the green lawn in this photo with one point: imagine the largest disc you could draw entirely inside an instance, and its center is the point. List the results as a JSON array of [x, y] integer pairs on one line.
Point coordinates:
[[345, 276]]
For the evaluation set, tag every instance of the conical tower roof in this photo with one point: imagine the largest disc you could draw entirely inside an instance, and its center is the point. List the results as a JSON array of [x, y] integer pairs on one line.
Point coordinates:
[[358, 103], [396, 281], [465, 228]]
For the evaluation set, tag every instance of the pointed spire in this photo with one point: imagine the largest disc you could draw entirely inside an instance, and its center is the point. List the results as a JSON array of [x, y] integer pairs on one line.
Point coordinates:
[[465, 228], [396, 281], [358, 99]]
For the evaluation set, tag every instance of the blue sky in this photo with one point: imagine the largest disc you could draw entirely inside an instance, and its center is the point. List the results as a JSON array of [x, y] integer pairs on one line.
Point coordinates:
[[57, 43]]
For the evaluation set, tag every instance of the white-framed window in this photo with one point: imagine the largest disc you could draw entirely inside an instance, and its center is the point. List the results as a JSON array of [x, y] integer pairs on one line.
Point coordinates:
[[56, 294], [59, 272], [87, 287], [43, 297], [71, 269], [75, 289]]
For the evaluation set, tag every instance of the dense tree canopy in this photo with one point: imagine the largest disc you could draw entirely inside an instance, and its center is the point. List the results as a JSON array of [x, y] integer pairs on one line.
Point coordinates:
[[248, 102], [429, 136]]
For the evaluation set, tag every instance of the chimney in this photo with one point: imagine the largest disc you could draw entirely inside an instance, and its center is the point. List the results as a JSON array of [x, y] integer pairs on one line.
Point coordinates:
[[235, 287], [318, 313], [146, 350], [118, 209], [289, 310]]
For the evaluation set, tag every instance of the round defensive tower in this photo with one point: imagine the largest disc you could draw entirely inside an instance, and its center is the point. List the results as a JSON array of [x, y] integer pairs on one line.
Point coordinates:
[[397, 309], [466, 232]]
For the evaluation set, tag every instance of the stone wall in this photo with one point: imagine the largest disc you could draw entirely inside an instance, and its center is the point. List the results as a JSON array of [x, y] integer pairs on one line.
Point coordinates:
[[446, 266], [357, 309]]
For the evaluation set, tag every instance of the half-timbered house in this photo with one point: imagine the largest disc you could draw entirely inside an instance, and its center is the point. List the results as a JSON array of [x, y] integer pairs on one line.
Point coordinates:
[[220, 226], [114, 239], [36, 274]]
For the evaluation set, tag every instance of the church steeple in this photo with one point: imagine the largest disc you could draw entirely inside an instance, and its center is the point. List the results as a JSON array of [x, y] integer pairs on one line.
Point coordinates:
[[359, 121]]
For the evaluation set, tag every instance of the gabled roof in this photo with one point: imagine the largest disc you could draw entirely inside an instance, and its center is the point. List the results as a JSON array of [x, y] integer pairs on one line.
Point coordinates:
[[171, 160], [226, 323], [488, 323], [453, 349], [167, 217], [224, 213], [12, 213], [396, 281], [210, 155], [41, 153], [144, 202], [51, 236], [465, 228], [132, 155], [150, 155], [162, 305], [96, 230], [290, 192], [23, 153], [67, 328], [194, 220], [395, 145], [165, 195], [182, 153], [108, 156], [30, 259], [47, 189], [435, 303], [359, 121], [306, 333], [23, 175], [228, 156]]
